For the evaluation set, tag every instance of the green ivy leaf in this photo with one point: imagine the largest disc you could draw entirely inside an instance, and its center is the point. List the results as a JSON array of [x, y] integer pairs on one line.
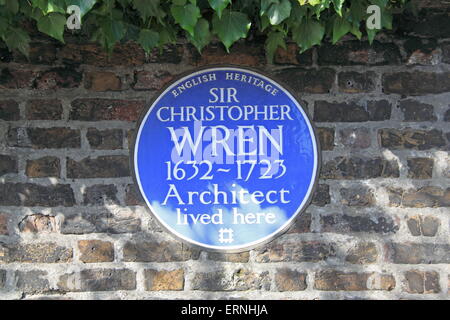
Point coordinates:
[[278, 12], [202, 35], [371, 33], [338, 6], [273, 41], [50, 6], [308, 33], [18, 39], [149, 9], [12, 6], [231, 27], [341, 27], [84, 5], [53, 25], [219, 5], [148, 39], [186, 16], [265, 5]]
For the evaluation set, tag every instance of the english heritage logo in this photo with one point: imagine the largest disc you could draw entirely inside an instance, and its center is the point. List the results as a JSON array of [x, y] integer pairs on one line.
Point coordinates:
[[226, 158]]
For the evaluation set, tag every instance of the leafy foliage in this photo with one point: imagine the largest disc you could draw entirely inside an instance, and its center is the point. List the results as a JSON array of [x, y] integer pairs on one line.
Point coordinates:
[[155, 23]]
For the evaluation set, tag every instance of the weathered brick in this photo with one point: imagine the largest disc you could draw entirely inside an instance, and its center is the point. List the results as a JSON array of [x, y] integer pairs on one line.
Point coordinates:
[[356, 138], [56, 78], [357, 82], [417, 253], [416, 83], [229, 257], [423, 226], [3, 224], [35, 253], [8, 164], [321, 195], [42, 53], [379, 110], [420, 168], [151, 251], [414, 110], [16, 79], [102, 81], [164, 280], [41, 138], [29, 195], [325, 111], [302, 224], [425, 197], [447, 116], [105, 109], [308, 80], [292, 56], [445, 52], [132, 196], [332, 280], [359, 168], [312, 251], [240, 280], [362, 253], [37, 223], [98, 280], [290, 280], [99, 195], [357, 196], [100, 167], [44, 109], [326, 138], [410, 139], [109, 139], [2, 278], [417, 281], [428, 23], [421, 51], [344, 223], [92, 251], [32, 282], [151, 80], [249, 54], [379, 281], [43, 167], [9, 110], [358, 53], [101, 221]]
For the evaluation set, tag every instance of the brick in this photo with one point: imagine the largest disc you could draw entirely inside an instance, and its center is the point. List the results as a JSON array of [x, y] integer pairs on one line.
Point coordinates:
[[32, 282], [326, 138], [325, 111], [422, 282], [421, 51], [44, 138], [57, 78], [321, 196], [101, 221], [312, 251], [5, 55], [427, 24], [420, 168], [416, 83], [423, 226], [247, 54], [132, 196], [302, 224], [9, 110], [151, 251], [92, 251], [29, 195], [98, 280], [164, 280], [416, 111], [410, 139], [357, 82], [8, 164], [16, 79], [109, 139], [102, 81], [3, 224], [38, 223], [379, 281], [41, 53], [240, 280], [356, 138], [358, 53], [357, 196], [86, 109], [445, 52], [101, 167], [43, 167], [151, 80], [229, 257], [308, 80], [379, 110], [100, 195], [362, 253], [417, 253], [425, 197], [35, 253], [331, 280], [2, 278], [344, 223], [359, 168], [292, 56], [447, 116], [44, 109], [290, 280]]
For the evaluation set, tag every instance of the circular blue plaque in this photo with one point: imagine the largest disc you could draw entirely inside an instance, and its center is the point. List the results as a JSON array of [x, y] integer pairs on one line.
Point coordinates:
[[225, 158]]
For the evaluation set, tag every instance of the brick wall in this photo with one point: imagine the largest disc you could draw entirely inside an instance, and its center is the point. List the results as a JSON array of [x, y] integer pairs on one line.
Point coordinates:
[[72, 225]]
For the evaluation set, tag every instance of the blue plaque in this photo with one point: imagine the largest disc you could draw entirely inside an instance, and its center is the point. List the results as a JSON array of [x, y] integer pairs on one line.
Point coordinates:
[[225, 158]]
